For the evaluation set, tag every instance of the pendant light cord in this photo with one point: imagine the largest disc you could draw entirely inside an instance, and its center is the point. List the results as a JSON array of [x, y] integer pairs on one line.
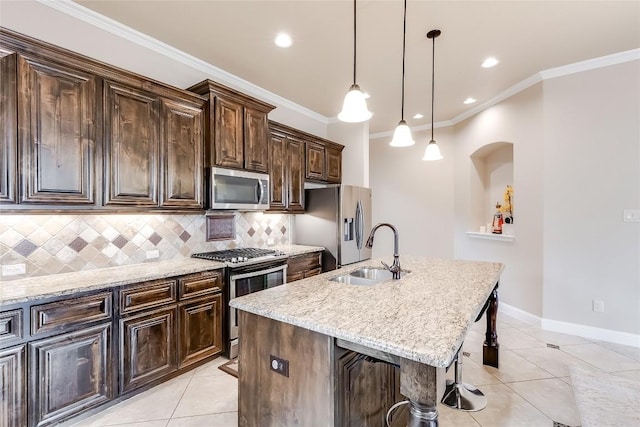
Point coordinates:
[[433, 78], [354, 42], [404, 38]]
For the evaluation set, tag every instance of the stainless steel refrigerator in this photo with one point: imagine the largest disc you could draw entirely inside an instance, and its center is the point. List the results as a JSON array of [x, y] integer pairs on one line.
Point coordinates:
[[339, 219]]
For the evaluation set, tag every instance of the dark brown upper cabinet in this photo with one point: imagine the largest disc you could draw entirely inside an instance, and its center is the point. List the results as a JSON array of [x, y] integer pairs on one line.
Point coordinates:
[[286, 169], [237, 130], [131, 146], [8, 126], [80, 134], [181, 155], [57, 115]]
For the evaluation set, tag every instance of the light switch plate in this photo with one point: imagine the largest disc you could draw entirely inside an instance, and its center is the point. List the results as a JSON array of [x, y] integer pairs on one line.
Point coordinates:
[[631, 215]]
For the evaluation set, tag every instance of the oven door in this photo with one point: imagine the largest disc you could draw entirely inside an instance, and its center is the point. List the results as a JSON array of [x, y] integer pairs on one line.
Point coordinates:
[[242, 282]]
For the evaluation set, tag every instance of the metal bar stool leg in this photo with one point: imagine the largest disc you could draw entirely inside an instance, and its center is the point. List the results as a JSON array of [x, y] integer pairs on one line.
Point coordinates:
[[462, 396]]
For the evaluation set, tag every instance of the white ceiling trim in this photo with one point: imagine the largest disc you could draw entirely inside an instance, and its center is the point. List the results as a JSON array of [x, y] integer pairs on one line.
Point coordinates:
[[80, 12], [551, 73], [114, 27]]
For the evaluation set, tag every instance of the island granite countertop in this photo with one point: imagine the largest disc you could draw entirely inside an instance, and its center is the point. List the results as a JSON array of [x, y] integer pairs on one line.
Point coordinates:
[[424, 316]]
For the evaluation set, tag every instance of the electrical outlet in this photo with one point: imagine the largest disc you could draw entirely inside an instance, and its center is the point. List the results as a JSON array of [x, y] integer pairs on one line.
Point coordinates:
[[153, 254], [598, 306], [631, 215], [13, 270], [278, 365]]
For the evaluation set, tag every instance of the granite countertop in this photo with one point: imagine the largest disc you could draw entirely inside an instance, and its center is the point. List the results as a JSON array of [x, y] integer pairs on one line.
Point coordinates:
[[424, 316], [28, 289], [293, 250], [23, 290]]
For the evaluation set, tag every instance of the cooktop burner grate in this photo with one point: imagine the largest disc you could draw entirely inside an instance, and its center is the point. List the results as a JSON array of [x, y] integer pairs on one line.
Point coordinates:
[[230, 255]]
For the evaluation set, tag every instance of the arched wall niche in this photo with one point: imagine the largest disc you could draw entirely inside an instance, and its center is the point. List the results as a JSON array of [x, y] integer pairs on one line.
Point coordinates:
[[491, 171]]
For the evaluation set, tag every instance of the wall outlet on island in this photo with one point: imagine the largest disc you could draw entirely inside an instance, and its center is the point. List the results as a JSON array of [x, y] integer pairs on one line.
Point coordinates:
[[153, 254], [598, 306], [281, 366]]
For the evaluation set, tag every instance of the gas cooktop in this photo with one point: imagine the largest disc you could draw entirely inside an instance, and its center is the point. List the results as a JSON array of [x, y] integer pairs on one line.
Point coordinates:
[[238, 255]]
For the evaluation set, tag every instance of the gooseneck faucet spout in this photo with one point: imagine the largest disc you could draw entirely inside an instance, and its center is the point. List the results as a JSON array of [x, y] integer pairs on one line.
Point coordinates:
[[395, 267]]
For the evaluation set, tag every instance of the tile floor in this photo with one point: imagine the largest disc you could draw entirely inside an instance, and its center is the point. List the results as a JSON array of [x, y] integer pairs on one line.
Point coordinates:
[[531, 388]]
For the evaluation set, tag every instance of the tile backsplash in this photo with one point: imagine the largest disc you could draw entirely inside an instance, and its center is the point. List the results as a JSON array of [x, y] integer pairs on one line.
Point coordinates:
[[50, 244]]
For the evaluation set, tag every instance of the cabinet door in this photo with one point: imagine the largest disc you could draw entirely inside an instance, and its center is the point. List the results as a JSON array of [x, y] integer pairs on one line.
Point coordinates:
[[13, 406], [334, 165], [69, 374], [278, 173], [147, 346], [256, 140], [366, 390], [228, 140], [295, 175], [200, 326], [8, 127], [181, 143], [131, 146], [57, 115], [315, 162]]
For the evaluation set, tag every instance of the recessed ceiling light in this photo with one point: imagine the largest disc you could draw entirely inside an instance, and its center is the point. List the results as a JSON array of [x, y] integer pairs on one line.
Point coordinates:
[[490, 62], [418, 116], [283, 40], [469, 100]]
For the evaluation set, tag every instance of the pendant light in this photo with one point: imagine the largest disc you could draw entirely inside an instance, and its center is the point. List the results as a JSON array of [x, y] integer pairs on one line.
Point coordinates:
[[433, 151], [402, 135], [354, 108]]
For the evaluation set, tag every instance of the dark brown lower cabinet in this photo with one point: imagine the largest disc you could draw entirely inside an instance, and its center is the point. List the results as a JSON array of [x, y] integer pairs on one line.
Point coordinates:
[[367, 388], [303, 266], [147, 345], [200, 328], [69, 374], [13, 406]]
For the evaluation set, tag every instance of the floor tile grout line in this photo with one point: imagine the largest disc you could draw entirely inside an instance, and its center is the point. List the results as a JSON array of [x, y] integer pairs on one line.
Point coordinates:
[[183, 393], [531, 403]]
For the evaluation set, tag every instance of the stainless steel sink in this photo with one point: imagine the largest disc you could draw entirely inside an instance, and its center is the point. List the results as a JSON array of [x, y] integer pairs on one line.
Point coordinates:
[[366, 276]]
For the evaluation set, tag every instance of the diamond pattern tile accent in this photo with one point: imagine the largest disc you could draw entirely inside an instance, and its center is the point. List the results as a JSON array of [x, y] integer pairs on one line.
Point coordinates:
[[25, 247], [78, 244], [51, 244], [185, 236], [155, 238], [120, 241]]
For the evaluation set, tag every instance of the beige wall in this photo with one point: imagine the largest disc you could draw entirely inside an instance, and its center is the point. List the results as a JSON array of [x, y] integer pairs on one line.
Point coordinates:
[[517, 120], [591, 174], [355, 155], [415, 196]]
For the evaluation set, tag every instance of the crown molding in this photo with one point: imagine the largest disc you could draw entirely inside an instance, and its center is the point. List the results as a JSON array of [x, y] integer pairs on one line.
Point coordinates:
[[591, 64], [97, 20]]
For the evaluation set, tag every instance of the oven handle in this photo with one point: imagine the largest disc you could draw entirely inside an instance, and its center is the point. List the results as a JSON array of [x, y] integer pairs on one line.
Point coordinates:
[[283, 268]]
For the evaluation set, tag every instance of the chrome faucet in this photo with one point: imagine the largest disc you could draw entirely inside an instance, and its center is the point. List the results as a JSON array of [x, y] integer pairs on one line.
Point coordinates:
[[395, 267]]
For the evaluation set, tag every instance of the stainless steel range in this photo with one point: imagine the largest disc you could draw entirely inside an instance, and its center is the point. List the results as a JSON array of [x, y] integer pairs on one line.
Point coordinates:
[[248, 270]]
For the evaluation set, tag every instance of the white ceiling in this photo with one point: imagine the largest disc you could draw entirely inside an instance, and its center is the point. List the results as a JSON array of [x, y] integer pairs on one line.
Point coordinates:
[[526, 36]]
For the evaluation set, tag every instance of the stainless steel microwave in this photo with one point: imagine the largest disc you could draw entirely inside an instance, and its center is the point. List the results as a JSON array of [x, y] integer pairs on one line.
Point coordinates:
[[239, 190]]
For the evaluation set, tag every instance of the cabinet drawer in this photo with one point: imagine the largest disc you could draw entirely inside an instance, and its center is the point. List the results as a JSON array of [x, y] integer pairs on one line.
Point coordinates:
[[67, 314], [199, 284], [304, 262], [10, 327], [147, 295]]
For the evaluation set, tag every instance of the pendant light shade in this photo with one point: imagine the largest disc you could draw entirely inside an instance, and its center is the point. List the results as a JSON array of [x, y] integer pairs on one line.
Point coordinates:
[[354, 108], [402, 135], [433, 151]]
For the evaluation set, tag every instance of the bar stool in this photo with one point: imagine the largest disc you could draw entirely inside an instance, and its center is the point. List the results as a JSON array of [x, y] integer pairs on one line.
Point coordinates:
[[462, 396]]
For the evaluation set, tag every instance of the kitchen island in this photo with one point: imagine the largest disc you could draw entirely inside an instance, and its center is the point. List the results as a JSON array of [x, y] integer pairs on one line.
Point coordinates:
[[292, 336]]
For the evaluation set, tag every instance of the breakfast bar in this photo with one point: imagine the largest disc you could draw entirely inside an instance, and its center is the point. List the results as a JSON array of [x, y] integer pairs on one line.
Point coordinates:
[[293, 337]]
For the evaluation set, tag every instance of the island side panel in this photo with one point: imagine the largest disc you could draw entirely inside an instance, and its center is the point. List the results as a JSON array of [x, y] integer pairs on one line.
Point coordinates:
[[267, 398]]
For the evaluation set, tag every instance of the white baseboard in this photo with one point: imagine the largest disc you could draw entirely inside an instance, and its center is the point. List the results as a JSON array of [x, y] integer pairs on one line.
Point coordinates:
[[522, 315], [589, 332]]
